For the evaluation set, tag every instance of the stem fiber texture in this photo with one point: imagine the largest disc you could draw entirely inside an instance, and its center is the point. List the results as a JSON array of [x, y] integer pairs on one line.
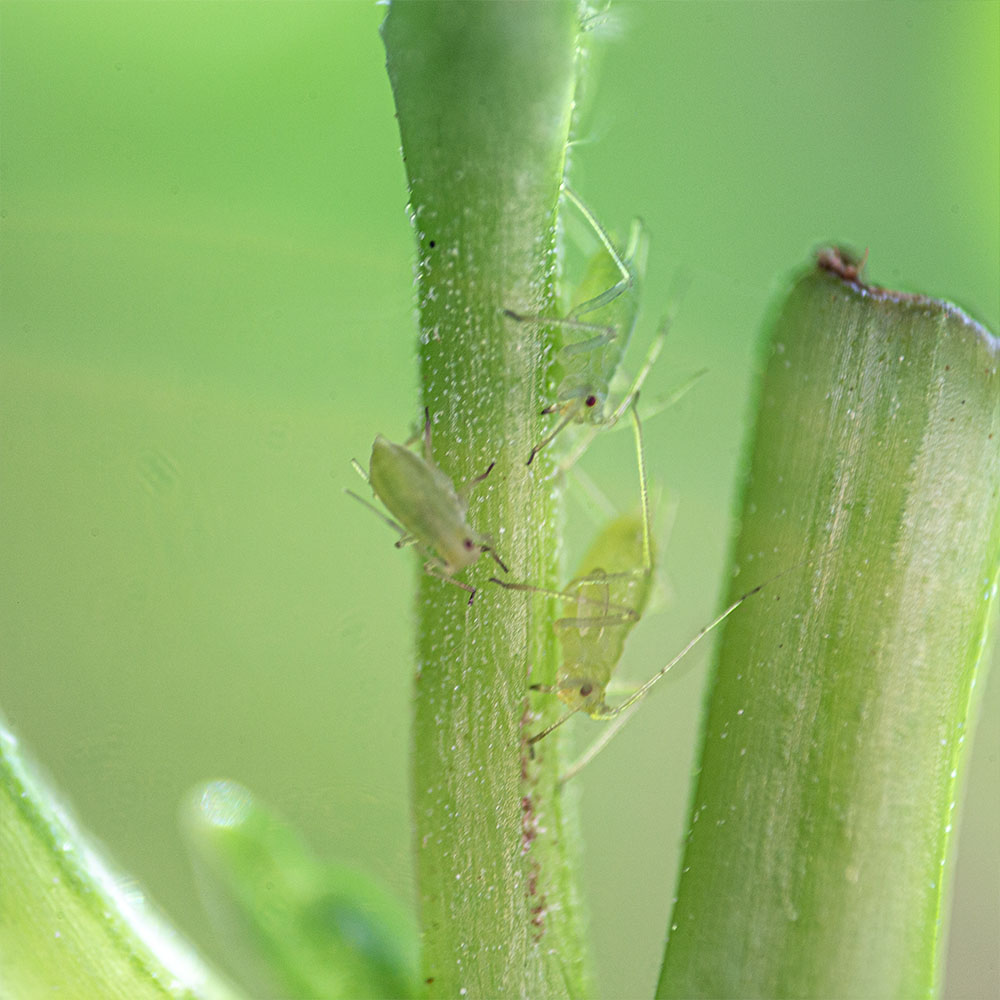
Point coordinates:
[[824, 816]]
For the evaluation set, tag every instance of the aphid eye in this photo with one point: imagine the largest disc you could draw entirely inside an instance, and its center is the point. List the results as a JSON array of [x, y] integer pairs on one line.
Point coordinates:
[[586, 690], [469, 544], [591, 401]]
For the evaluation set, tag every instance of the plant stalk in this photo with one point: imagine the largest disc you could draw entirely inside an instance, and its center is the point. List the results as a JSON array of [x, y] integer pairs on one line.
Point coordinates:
[[484, 96], [823, 821]]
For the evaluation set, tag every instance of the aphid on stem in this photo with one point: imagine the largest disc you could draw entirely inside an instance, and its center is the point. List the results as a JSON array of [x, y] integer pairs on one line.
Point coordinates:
[[602, 605], [602, 318], [430, 512]]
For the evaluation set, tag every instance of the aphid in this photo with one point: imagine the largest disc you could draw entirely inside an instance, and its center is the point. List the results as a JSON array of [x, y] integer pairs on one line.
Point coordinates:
[[429, 511], [603, 316], [602, 605]]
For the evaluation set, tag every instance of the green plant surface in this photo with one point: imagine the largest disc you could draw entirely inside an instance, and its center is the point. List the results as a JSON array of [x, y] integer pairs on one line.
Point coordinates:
[[301, 927], [71, 926], [820, 850], [484, 97]]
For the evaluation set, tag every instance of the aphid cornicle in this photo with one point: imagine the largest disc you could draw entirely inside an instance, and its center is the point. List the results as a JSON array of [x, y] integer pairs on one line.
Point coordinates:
[[602, 318], [430, 512]]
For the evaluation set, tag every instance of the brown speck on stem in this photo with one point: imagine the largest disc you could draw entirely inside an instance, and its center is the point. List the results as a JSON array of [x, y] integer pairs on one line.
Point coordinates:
[[843, 263]]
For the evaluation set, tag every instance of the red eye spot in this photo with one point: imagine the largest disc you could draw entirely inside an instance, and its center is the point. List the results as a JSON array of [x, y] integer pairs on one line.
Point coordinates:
[[591, 401], [586, 689], [469, 544]]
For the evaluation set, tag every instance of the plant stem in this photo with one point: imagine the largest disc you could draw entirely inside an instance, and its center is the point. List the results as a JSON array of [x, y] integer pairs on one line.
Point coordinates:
[[824, 815], [484, 98]]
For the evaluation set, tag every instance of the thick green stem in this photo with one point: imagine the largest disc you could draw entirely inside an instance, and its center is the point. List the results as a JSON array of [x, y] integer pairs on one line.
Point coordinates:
[[824, 816], [484, 98]]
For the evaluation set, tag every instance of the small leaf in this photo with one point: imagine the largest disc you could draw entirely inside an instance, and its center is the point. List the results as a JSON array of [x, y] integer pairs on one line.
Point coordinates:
[[302, 927], [69, 925]]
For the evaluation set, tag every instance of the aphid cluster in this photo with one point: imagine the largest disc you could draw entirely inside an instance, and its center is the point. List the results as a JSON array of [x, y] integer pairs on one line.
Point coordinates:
[[607, 597]]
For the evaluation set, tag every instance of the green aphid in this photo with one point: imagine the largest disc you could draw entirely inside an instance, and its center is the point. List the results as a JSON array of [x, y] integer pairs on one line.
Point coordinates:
[[603, 603], [601, 606], [601, 318], [430, 512]]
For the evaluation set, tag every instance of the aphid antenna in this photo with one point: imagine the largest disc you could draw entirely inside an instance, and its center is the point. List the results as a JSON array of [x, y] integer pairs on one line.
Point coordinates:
[[607, 735], [643, 690]]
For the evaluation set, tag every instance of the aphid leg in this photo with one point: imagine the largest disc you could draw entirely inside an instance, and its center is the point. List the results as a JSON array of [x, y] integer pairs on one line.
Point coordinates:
[[466, 488], [592, 498], [549, 438], [544, 688], [428, 453], [602, 334], [564, 595], [627, 279], [623, 616], [433, 568], [655, 348], [647, 545], [360, 470], [405, 538], [496, 558], [677, 294], [676, 394], [531, 588]]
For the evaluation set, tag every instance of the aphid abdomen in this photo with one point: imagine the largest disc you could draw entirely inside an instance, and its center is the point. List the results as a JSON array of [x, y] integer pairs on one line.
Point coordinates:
[[424, 501]]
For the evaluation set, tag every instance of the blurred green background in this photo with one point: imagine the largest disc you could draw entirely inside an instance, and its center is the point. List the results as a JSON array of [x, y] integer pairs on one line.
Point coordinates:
[[207, 311]]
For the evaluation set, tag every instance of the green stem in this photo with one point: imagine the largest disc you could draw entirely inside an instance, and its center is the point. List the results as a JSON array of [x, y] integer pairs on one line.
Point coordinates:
[[484, 95], [824, 816]]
